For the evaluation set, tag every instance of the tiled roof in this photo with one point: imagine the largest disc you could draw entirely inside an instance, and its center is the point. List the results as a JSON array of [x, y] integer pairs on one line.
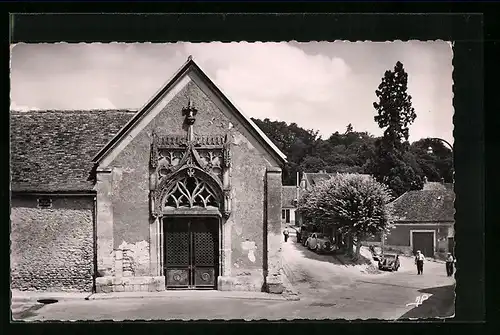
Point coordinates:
[[432, 185], [315, 178], [288, 195], [52, 150], [425, 206]]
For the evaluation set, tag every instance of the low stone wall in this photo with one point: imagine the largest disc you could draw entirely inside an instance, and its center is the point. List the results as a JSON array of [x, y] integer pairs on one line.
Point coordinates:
[[399, 249], [156, 284], [52, 248], [130, 284]]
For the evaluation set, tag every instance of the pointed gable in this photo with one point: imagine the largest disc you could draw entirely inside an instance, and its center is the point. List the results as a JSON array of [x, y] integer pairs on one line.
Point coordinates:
[[190, 71]]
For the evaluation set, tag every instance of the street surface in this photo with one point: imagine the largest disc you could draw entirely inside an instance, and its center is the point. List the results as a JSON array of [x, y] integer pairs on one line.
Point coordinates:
[[328, 290]]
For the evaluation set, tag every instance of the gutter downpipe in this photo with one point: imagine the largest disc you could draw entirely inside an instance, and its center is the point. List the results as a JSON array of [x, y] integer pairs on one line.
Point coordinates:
[[94, 242]]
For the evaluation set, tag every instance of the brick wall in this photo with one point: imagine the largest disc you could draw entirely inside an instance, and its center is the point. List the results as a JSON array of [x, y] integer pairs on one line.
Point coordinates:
[[52, 248]]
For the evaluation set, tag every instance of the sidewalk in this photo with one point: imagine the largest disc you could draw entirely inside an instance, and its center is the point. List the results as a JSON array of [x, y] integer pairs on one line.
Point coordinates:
[[189, 294], [27, 296], [33, 297]]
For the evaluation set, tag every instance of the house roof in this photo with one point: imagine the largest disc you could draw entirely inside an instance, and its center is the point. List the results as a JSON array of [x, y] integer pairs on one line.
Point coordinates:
[[436, 205], [314, 178], [184, 70], [432, 185], [288, 195], [52, 150]]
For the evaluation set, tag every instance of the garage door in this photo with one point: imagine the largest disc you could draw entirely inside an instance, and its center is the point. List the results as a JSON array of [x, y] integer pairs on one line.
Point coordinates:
[[423, 241]]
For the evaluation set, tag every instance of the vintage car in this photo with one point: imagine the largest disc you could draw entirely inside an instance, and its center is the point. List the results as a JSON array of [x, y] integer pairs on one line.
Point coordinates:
[[319, 242], [389, 262], [304, 237], [376, 253]]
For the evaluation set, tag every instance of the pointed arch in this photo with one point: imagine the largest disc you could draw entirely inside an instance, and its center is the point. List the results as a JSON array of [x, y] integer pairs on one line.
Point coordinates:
[[190, 188]]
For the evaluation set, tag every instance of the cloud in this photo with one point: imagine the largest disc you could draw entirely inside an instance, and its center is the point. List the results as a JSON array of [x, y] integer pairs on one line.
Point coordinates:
[[322, 86], [275, 80]]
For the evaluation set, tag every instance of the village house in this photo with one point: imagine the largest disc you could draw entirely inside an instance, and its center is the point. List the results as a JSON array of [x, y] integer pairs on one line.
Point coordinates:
[[184, 193], [310, 179], [424, 221], [289, 199]]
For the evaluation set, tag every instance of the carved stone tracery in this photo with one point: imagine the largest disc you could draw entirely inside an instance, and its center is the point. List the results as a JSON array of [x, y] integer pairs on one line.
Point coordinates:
[[190, 174]]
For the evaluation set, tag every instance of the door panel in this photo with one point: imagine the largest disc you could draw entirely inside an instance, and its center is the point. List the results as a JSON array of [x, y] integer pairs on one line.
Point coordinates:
[[177, 254], [191, 253], [424, 241], [205, 250]]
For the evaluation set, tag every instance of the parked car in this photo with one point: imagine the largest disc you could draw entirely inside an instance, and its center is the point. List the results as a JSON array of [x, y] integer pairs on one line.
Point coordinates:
[[319, 242], [389, 262], [305, 237], [376, 254]]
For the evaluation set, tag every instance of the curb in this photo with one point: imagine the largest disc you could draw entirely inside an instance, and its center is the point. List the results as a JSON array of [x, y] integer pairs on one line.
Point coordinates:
[[170, 295], [34, 297]]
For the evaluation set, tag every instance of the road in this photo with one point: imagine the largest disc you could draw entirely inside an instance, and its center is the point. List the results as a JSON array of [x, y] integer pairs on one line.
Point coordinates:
[[328, 290]]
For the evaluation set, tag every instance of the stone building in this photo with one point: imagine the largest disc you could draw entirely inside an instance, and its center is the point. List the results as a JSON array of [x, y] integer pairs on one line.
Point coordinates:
[[424, 220], [183, 194], [289, 199]]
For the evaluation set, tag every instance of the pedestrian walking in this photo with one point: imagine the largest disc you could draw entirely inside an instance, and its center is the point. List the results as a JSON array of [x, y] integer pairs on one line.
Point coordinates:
[[419, 261], [450, 260], [285, 233]]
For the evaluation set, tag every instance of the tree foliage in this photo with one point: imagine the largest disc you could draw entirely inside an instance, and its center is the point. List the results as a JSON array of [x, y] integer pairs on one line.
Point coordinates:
[[394, 108], [356, 204], [354, 152], [392, 163], [436, 165]]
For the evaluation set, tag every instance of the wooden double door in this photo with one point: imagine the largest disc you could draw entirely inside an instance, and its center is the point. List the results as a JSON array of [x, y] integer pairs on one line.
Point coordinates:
[[191, 257]]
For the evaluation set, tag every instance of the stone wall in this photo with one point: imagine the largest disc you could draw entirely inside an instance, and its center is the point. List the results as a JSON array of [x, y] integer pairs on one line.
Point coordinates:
[[52, 248]]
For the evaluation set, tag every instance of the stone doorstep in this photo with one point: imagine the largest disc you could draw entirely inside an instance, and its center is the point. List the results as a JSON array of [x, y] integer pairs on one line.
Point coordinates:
[[190, 294]]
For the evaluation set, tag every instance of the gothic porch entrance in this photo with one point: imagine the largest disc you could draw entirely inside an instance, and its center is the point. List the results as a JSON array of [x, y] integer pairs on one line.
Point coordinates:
[[191, 257]]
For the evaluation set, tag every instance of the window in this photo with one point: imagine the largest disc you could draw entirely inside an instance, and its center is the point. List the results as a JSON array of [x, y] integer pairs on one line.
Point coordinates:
[[283, 215], [191, 192], [287, 216], [44, 202]]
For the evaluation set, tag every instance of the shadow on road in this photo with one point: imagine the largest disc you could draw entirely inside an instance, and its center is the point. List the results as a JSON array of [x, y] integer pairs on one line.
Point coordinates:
[[440, 305], [323, 257]]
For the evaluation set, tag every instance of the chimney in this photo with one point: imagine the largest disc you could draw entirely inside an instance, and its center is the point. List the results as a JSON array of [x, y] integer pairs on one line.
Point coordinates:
[[303, 182]]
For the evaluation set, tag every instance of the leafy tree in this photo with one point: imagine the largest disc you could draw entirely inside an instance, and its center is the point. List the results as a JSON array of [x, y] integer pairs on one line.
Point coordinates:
[[395, 114], [355, 204], [295, 142], [435, 165], [357, 152], [349, 129], [394, 108], [312, 164]]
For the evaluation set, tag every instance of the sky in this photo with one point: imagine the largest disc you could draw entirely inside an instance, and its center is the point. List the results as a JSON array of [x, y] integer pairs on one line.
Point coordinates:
[[322, 86]]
